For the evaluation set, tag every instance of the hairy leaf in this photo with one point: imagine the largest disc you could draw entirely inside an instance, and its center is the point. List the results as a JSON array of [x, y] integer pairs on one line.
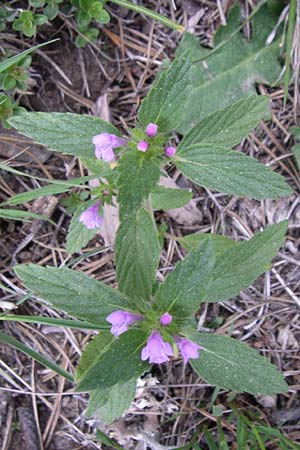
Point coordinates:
[[228, 126], [219, 243], [108, 404], [137, 255], [229, 171], [238, 266], [165, 198], [62, 132], [184, 287], [230, 364], [164, 102], [72, 292], [138, 175], [120, 363]]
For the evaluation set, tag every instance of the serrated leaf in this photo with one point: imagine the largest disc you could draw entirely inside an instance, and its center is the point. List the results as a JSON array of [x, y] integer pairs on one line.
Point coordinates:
[[72, 292], [232, 71], [108, 404], [138, 175], [120, 363], [62, 132], [187, 283], [137, 253], [229, 171], [240, 265], [165, 198], [228, 126], [164, 102], [219, 243], [230, 364], [78, 235]]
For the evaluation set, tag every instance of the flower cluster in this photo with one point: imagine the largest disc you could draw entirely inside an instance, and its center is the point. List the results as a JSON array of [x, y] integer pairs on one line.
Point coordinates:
[[156, 350], [105, 143]]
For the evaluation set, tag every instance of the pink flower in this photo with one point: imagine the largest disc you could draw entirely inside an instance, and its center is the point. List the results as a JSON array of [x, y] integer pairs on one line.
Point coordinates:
[[90, 218], [121, 320], [187, 348], [104, 145], [151, 129], [169, 151], [142, 146], [165, 319], [156, 350]]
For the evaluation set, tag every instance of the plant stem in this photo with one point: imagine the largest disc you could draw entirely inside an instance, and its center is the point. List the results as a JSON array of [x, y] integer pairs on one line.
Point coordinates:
[[148, 12]]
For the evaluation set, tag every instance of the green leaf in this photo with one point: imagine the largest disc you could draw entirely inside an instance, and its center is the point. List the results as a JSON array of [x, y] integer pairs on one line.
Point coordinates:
[[16, 214], [165, 198], [108, 404], [51, 11], [187, 283], [40, 19], [72, 182], [79, 235], [230, 364], [138, 175], [219, 243], [7, 63], [72, 292], [8, 82], [237, 267], [164, 102], [62, 132], [137, 253], [228, 126], [98, 345], [28, 196], [29, 27], [229, 171], [232, 71], [97, 166], [120, 363], [37, 3]]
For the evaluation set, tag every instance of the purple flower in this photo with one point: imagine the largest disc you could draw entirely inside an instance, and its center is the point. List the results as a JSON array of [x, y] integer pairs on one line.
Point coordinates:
[[156, 350], [151, 129], [169, 151], [187, 348], [90, 218], [165, 319], [142, 146], [121, 320], [104, 144]]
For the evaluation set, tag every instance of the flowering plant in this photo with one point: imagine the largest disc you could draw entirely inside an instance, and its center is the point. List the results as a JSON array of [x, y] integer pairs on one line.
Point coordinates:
[[153, 322]]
